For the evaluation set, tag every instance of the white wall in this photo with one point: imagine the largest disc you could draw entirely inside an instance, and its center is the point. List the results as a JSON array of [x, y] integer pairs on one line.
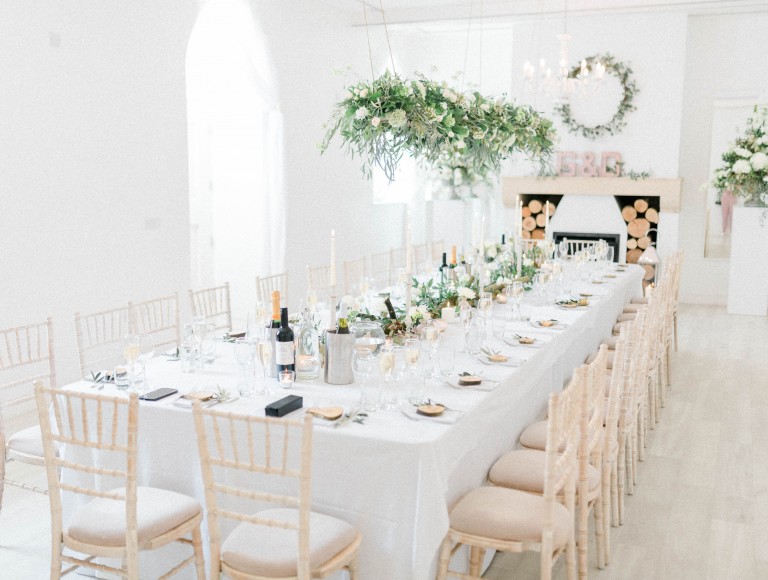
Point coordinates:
[[93, 202], [726, 59]]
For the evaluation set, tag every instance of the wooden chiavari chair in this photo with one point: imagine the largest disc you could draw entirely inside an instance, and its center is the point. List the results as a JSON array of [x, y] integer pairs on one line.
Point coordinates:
[[421, 258], [288, 541], [511, 520], [214, 304], [120, 520], [354, 272], [265, 285], [319, 281], [99, 338], [160, 319], [381, 269], [26, 356]]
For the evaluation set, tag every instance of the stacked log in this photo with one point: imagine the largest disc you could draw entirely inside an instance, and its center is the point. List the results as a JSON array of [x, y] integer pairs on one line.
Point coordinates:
[[535, 218], [639, 218]]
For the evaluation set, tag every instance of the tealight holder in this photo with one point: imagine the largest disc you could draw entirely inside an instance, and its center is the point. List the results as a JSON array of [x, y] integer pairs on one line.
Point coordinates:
[[286, 379]]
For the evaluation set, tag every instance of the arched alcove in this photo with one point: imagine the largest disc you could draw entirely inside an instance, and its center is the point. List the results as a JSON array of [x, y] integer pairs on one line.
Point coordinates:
[[235, 153]]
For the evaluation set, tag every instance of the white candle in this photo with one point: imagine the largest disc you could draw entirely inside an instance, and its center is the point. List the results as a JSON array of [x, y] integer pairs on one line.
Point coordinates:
[[332, 276], [309, 280], [519, 219], [448, 313], [546, 226], [408, 262], [519, 252], [408, 303]]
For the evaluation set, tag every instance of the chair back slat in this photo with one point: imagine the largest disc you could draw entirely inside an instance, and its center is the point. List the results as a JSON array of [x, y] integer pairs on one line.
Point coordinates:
[[213, 303], [160, 319], [381, 269], [99, 338], [26, 357], [354, 272], [265, 285]]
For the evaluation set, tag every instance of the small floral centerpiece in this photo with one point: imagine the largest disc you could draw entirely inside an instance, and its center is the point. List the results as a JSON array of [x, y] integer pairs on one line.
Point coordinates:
[[384, 119], [745, 165]]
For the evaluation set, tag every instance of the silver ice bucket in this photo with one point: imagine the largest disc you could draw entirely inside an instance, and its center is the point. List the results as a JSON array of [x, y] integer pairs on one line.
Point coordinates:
[[338, 358]]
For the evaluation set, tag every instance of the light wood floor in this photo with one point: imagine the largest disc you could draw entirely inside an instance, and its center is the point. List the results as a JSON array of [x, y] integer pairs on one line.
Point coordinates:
[[700, 510]]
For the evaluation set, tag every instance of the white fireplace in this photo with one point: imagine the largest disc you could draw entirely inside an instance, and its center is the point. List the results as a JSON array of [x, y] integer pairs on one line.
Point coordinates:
[[589, 204], [590, 214]]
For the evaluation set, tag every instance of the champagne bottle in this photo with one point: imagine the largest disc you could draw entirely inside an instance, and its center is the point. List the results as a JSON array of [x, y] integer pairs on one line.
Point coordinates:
[[343, 326], [272, 330], [285, 355], [391, 309], [275, 309], [453, 257]]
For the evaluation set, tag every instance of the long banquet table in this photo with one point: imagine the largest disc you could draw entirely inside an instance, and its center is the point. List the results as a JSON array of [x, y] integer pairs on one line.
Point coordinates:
[[393, 477]]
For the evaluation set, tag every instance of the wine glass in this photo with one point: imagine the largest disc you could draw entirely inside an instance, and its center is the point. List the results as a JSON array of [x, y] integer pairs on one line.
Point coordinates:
[[245, 357], [412, 354], [386, 361], [465, 316], [146, 352], [131, 353], [264, 352], [199, 327], [362, 367], [431, 337]]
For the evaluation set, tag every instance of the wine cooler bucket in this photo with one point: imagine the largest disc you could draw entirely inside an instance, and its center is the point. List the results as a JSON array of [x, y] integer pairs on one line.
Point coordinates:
[[338, 358]]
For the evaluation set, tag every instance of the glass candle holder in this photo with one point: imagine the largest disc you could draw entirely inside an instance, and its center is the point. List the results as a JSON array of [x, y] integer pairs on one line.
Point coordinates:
[[286, 378]]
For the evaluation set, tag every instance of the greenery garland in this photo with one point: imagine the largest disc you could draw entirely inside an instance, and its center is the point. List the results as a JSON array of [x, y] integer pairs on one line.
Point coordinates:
[[390, 116], [629, 89]]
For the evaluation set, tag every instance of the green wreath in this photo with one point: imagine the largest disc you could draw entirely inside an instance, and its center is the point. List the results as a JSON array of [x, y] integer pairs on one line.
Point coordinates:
[[629, 90]]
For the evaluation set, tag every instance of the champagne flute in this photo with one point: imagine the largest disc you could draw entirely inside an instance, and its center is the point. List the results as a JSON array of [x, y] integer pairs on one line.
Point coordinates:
[[412, 354], [264, 350], [131, 354], [146, 352]]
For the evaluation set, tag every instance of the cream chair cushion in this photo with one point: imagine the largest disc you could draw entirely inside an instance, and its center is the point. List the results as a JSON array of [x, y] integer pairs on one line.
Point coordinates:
[[101, 522], [609, 359], [524, 470], [273, 552], [535, 436], [509, 515], [28, 442]]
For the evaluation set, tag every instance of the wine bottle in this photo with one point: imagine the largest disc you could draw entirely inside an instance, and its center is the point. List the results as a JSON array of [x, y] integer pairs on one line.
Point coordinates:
[[285, 355], [391, 309], [275, 309], [443, 268], [343, 326], [503, 239]]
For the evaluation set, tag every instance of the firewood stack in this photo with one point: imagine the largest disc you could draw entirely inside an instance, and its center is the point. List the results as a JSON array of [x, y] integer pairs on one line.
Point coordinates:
[[640, 218], [535, 219]]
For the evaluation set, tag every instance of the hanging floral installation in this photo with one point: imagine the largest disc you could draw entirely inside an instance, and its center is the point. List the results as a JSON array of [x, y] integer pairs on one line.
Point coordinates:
[[383, 119]]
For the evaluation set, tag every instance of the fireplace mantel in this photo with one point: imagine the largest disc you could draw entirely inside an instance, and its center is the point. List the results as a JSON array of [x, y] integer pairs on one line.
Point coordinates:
[[667, 189]]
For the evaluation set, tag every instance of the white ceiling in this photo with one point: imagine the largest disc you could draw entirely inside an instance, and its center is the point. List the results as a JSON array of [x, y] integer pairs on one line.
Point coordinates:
[[404, 12]]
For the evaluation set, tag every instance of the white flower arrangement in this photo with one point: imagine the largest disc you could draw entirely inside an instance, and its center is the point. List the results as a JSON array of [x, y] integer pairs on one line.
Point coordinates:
[[745, 164], [466, 292]]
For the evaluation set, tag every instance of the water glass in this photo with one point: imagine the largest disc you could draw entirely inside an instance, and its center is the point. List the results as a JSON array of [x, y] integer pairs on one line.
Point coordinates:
[[474, 338], [245, 357], [525, 310], [499, 324], [370, 395], [447, 358], [208, 347]]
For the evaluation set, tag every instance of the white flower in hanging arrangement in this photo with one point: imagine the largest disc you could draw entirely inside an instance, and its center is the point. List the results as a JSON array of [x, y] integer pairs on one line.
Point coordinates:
[[361, 113], [758, 161], [742, 152], [742, 166]]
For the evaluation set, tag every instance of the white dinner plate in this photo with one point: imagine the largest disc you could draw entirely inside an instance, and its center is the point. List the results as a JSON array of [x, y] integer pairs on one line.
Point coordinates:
[[449, 415], [486, 385], [514, 342], [511, 362], [558, 326]]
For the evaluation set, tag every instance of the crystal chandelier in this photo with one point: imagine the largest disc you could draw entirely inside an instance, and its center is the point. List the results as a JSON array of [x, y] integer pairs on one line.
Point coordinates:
[[566, 82]]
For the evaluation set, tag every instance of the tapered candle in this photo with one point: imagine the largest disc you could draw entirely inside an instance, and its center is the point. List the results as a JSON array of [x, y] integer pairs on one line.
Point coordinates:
[[332, 275], [519, 218], [408, 262], [546, 218], [309, 279], [519, 252]]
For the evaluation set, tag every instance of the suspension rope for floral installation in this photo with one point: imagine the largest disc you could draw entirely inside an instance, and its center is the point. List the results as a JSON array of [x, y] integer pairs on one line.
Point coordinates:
[[386, 33], [466, 45], [368, 36]]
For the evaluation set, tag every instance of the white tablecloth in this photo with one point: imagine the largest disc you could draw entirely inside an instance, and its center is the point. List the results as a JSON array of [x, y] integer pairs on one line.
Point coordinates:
[[393, 477]]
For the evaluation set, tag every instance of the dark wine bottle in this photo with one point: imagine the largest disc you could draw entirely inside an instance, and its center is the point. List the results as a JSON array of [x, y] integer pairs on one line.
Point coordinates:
[[390, 308], [285, 355], [343, 327], [443, 268], [503, 239]]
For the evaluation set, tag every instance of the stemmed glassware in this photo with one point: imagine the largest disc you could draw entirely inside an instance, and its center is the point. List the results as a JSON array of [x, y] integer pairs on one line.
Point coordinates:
[[412, 355], [431, 337], [131, 351], [264, 351], [146, 352], [465, 317], [245, 357], [362, 367], [387, 369], [484, 305]]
